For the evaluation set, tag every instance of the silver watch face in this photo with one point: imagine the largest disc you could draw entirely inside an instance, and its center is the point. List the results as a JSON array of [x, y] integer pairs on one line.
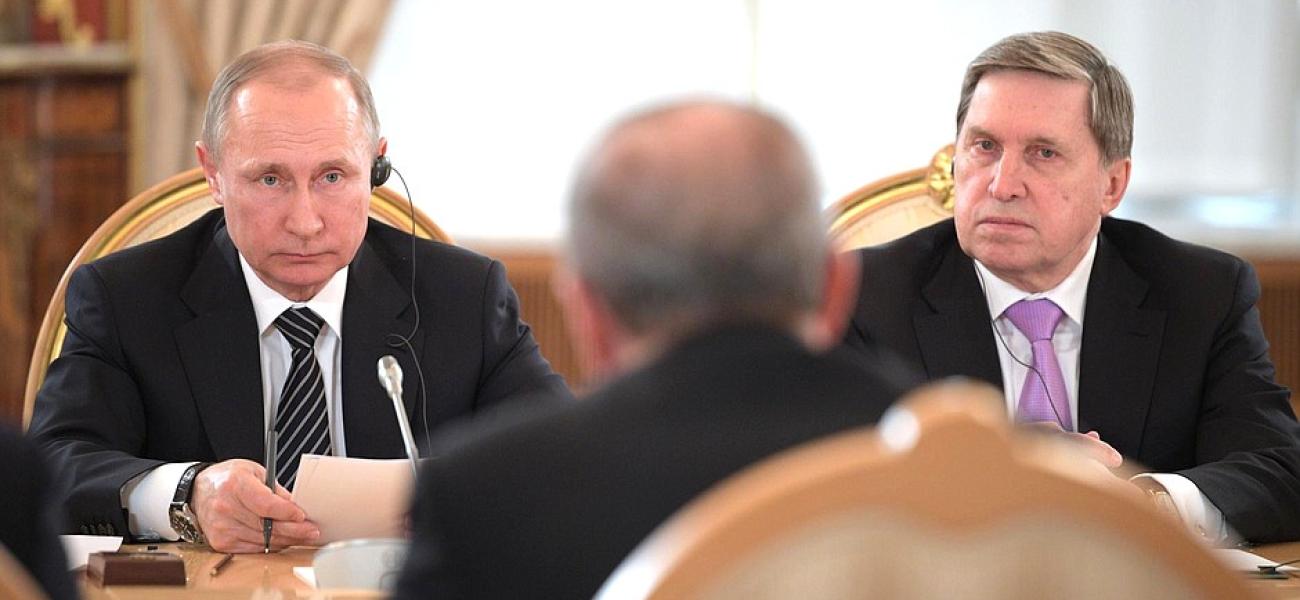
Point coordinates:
[[186, 524]]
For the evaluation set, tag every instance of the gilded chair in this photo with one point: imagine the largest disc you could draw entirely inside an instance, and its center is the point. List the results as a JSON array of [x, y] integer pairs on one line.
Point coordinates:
[[894, 206], [944, 500], [156, 212]]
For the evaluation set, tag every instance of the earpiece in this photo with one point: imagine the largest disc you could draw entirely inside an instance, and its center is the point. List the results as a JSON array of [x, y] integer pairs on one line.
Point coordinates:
[[379, 171]]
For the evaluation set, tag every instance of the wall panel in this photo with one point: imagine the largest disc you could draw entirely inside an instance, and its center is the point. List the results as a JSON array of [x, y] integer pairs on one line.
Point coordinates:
[[531, 273]]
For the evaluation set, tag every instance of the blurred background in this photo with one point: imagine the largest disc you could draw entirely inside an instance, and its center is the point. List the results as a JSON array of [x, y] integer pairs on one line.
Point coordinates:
[[488, 105]]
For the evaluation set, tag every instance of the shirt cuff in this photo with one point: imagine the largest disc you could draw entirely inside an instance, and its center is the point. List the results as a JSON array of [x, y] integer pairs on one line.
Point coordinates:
[[148, 501], [1197, 512]]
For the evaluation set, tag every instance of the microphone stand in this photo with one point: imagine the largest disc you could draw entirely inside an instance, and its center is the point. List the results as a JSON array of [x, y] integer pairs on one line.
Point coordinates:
[[390, 376]]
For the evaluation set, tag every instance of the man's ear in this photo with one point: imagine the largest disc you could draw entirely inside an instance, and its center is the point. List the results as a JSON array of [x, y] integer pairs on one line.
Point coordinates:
[[209, 164], [825, 327], [591, 324], [1117, 178]]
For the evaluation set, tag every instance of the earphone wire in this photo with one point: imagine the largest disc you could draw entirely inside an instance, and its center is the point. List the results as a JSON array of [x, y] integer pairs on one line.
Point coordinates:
[[997, 334], [406, 340]]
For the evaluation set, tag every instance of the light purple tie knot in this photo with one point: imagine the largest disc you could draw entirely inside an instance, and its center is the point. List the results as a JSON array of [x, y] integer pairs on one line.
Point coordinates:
[[1036, 319]]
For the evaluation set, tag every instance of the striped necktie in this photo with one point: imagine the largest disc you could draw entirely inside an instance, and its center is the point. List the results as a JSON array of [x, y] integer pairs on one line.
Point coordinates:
[[301, 420]]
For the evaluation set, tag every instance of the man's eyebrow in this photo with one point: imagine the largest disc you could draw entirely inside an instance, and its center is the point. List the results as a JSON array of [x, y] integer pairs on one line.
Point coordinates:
[[977, 131], [336, 163], [1038, 140], [1043, 140], [276, 167], [262, 167]]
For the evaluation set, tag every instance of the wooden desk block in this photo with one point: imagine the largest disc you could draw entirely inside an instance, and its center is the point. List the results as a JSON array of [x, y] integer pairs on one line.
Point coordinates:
[[136, 568]]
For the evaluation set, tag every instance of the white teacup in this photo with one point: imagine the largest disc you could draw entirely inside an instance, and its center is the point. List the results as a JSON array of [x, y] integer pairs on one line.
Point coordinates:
[[366, 564]]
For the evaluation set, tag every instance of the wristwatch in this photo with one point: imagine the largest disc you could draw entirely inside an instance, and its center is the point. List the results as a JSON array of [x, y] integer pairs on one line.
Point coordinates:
[[182, 518], [1159, 497]]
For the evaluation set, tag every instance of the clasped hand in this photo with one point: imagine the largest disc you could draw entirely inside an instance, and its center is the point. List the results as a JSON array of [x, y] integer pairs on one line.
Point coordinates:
[[1091, 444]]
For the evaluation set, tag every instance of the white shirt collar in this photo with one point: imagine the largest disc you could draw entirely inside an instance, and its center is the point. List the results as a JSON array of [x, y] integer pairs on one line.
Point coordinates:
[[268, 303], [1071, 294]]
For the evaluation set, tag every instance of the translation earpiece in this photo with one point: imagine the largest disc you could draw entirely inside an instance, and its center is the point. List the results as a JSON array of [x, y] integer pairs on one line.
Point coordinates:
[[379, 171]]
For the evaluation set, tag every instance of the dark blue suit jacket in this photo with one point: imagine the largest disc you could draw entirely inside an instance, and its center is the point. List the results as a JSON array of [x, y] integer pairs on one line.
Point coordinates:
[[1174, 367], [548, 505], [30, 515], [161, 361]]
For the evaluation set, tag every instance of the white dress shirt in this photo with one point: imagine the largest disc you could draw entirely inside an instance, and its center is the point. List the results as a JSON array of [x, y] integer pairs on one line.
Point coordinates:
[[148, 496], [1072, 295]]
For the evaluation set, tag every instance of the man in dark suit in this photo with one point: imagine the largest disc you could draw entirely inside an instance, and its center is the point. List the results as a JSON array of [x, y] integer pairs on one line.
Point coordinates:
[[270, 312], [701, 277], [30, 515], [1103, 327]]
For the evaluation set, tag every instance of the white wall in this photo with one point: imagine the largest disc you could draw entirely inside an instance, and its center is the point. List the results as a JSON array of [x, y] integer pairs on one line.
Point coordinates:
[[488, 105]]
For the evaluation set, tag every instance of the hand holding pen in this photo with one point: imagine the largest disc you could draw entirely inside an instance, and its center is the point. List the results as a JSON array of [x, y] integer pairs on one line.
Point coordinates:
[[231, 500]]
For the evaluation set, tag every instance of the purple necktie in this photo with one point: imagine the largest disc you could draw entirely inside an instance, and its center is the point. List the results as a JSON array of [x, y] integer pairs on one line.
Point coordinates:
[[1044, 386]]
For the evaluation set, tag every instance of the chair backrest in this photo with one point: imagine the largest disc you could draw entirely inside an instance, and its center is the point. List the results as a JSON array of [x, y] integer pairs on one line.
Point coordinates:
[[16, 583], [945, 499], [154, 213], [894, 206]]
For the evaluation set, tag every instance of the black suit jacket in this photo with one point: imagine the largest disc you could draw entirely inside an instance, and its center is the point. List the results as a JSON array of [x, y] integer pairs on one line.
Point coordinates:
[[161, 362], [30, 515], [1174, 367], [548, 506]]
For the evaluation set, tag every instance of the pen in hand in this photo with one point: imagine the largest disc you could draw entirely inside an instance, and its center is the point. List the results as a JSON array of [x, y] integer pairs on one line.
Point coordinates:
[[270, 483]]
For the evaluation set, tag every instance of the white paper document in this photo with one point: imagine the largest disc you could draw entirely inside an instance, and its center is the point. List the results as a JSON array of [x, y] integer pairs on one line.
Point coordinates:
[[1240, 560], [351, 498], [306, 574], [78, 548]]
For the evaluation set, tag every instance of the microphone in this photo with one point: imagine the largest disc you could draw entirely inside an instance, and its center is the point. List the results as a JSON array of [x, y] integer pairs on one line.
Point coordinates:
[[390, 376]]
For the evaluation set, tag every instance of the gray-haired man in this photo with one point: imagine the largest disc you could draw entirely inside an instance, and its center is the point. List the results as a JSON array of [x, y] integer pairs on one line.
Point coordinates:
[[703, 282]]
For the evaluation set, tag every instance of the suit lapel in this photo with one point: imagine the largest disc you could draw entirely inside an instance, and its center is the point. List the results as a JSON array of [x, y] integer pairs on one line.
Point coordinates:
[[374, 308], [953, 328], [219, 351], [1121, 347]]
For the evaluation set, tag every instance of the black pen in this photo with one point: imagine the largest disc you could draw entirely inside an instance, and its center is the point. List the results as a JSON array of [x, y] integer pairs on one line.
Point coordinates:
[[270, 482]]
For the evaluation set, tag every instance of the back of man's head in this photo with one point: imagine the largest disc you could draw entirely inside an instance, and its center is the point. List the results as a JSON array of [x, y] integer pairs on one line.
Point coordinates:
[[695, 215]]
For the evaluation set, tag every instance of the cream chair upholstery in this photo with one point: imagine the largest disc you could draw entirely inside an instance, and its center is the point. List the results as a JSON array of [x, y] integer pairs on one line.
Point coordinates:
[[156, 212], [944, 500], [895, 206]]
